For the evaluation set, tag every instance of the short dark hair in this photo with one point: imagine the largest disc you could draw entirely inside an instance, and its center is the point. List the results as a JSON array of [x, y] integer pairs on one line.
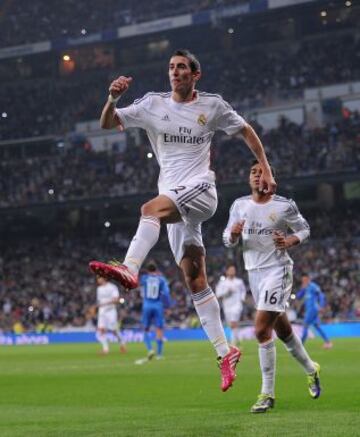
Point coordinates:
[[230, 265], [273, 171], [305, 274], [193, 60], [151, 266]]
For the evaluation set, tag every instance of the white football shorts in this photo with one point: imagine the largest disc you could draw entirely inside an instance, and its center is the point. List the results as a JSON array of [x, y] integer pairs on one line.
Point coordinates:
[[108, 320], [271, 287], [196, 202], [232, 314]]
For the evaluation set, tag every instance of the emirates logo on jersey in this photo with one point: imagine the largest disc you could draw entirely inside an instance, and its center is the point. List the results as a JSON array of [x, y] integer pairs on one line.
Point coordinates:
[[202, 120]]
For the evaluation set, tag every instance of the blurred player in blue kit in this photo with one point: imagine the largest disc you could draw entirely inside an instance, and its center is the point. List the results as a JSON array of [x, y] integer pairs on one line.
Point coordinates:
[[314, 300], [156, 297]]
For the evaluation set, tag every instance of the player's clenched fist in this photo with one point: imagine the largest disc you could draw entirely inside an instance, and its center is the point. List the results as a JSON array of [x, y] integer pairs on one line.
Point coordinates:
[[279, 240], [119, 86], [236, 230]]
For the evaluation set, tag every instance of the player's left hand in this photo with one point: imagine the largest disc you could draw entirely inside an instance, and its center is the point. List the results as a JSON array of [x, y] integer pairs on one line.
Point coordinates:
[[267, 182], [279, 239]]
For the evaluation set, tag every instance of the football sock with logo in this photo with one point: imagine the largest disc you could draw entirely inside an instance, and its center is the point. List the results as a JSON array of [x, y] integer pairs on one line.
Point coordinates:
[[146, 237], [297, 350], [208, 310], [267, 358]]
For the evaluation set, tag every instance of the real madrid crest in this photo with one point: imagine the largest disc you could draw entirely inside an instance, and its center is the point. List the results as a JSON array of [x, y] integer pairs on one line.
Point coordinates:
[[273, 217], [202, 120]]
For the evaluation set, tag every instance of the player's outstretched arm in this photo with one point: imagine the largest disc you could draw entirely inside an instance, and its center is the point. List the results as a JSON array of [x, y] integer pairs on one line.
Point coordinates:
[[109, 119], [267, 181]]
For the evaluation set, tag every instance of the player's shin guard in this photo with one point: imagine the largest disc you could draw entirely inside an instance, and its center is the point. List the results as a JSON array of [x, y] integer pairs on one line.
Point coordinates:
[[146, 237], [208, 310], [267, 358], [297, 350]]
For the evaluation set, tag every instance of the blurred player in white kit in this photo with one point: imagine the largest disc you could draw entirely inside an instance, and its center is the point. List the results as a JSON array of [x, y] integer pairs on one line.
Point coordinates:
[[180, 125], [231, 291], [107, 297]]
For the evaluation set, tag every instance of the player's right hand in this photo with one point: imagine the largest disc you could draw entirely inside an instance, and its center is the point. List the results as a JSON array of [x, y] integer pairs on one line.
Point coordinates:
[[267, 183], [237, 229], [119, 86]]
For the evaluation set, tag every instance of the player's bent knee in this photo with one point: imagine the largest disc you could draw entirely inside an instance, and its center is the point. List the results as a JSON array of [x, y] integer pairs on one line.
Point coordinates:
[[148, 208], [196, 285], [263, 333]]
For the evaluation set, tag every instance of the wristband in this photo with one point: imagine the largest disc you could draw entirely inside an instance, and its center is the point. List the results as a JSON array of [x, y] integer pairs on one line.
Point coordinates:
[[112, 99]]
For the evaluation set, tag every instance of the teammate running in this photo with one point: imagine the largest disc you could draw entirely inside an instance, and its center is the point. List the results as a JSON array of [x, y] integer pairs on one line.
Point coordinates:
[[232, 292], [107, 296], [262, 221]]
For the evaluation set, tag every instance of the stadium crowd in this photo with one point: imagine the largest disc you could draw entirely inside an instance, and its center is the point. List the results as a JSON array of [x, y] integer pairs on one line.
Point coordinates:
[[51, 105], [56, 291], [80, 173], [24, 22]]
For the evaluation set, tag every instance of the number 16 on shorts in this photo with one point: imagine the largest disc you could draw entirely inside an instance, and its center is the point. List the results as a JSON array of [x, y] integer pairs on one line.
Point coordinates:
[[270, 297]]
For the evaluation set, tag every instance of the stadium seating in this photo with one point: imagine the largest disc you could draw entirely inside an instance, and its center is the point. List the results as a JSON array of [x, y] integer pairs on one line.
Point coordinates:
[[55, 288]]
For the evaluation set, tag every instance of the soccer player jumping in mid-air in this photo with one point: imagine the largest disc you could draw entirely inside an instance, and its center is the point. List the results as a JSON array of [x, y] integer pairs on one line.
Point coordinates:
[[262, 221], [180, 125]]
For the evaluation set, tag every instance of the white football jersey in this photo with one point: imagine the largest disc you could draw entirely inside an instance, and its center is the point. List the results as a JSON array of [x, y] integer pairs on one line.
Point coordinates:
[[261, 220], [105, 293], [181, 133], [232, 291]]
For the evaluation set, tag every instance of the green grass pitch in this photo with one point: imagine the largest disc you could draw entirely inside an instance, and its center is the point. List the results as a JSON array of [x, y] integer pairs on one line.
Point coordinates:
[[68, 390]]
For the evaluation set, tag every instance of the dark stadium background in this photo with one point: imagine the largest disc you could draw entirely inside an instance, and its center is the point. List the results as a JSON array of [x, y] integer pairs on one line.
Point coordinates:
[[70, 193]]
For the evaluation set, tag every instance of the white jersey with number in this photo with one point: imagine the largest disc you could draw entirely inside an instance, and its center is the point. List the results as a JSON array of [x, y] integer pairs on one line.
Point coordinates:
[[261, 220], [232, 291], [104, 294], [181, 133]]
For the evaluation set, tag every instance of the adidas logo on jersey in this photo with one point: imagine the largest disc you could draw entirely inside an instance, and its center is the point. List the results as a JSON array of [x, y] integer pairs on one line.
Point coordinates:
[[165, 118]]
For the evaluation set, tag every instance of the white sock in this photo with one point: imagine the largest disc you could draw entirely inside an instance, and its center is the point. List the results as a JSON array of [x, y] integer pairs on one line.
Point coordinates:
[[208, 310], [146, 236], [296, 348], [232, 339], [119, 338], [237, 335], [267, 358], [103, 340]]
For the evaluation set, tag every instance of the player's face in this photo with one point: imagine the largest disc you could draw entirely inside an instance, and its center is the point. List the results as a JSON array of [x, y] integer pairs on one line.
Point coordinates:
[[254, 178], [182, 79], [305, 281], [100, 280], [231, 272]]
